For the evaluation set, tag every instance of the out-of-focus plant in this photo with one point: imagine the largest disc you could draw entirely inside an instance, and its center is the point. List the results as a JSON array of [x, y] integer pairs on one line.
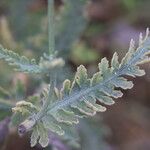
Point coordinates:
[[92, 132], [81, 53], [59, 110], [70, 15]]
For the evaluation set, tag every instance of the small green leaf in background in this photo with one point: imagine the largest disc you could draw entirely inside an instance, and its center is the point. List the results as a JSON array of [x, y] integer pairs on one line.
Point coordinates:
[[81, 53]]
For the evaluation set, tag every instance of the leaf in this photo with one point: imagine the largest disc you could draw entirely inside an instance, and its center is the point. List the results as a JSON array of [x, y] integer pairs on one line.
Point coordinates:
[[104, 67], [39, 134], [122, 83], [65, 116], [51, 124], [23, 63], [114, 61], [43, 135], [129, 54], [77, 99], [34, 136]]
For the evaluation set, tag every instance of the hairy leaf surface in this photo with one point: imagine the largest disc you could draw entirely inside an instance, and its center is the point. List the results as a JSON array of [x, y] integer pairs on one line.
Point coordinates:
[[84, 96]]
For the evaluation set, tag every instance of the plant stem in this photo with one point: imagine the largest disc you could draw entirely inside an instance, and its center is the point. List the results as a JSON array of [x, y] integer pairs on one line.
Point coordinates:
[[51, 26]]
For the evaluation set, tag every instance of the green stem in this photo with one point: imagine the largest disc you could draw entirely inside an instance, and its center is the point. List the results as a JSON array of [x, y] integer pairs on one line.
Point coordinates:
[[51, 26]]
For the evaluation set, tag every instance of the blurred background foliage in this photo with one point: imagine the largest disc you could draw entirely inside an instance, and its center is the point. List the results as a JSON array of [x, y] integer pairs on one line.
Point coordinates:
[[86, 31]]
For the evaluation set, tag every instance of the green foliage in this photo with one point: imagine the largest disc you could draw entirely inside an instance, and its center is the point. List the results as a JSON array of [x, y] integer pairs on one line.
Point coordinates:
[[70, 17], [71, 24], [24, 26], [23, 64], [93, 128], [37, 104], [84, 96], [81, 53]]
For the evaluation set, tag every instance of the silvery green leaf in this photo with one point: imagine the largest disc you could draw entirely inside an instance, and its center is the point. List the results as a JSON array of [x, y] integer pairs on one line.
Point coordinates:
[[77, 99]]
